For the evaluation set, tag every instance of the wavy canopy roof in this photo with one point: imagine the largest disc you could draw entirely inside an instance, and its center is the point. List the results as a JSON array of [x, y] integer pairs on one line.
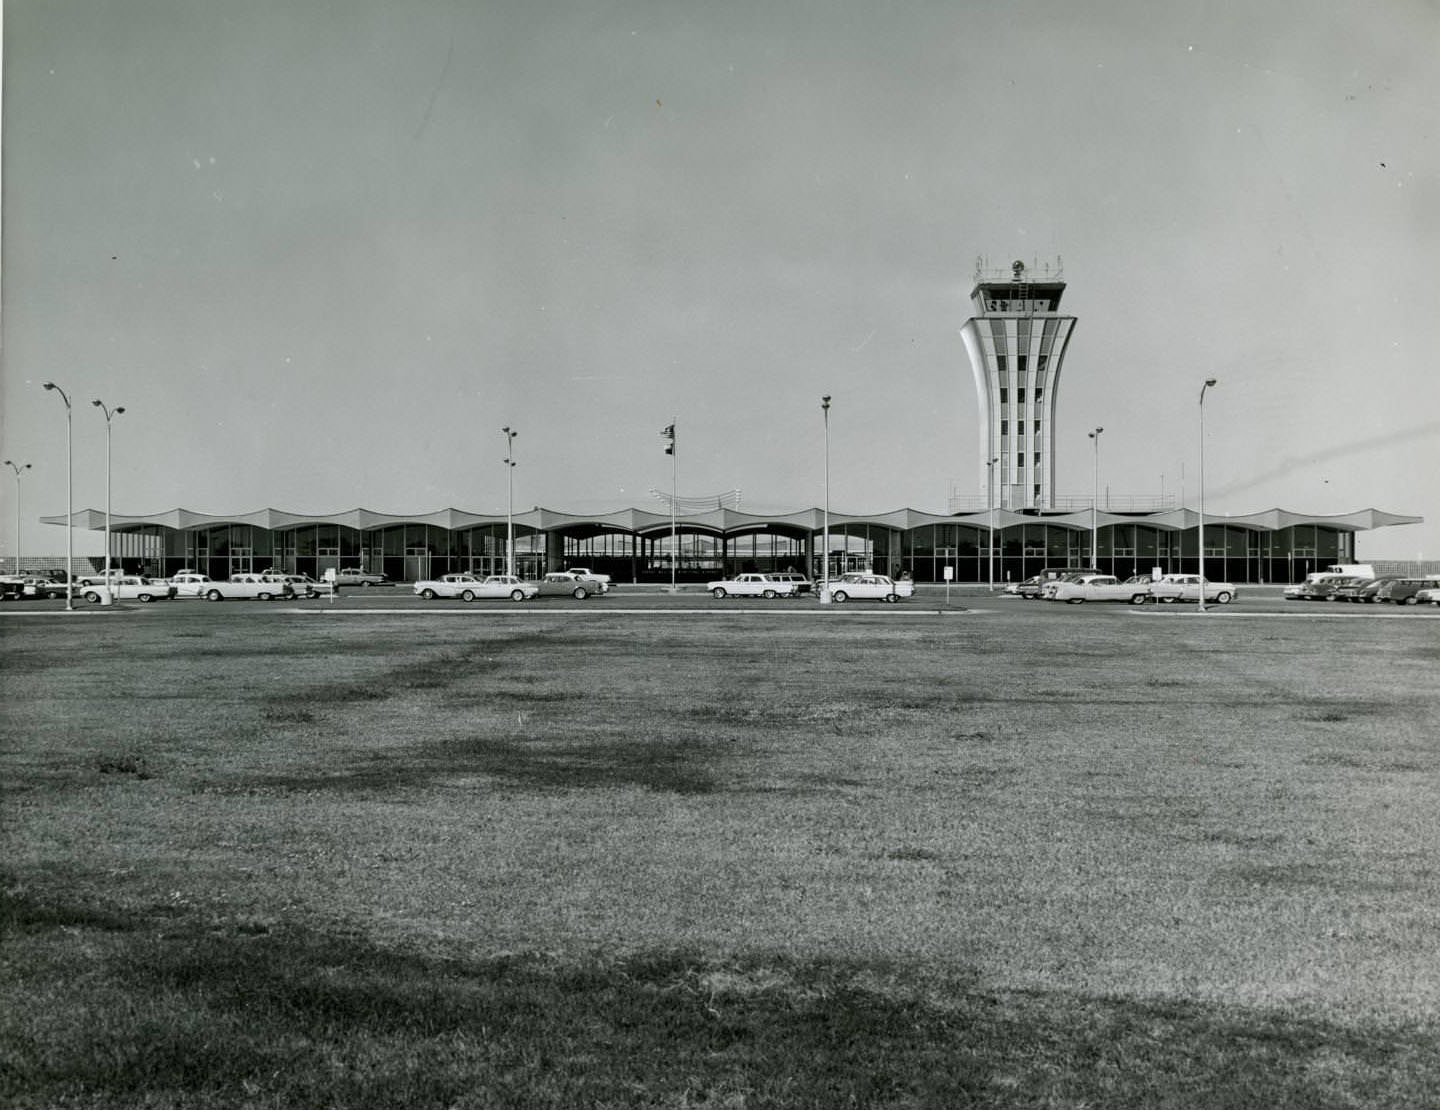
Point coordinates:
[[723, 521]]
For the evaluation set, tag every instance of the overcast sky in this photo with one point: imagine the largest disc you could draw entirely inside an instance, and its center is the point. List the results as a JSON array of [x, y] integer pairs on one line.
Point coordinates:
[[322, 250]]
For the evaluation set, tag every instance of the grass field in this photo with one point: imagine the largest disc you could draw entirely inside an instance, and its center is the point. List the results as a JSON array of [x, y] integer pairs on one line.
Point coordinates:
[[1109, 860]]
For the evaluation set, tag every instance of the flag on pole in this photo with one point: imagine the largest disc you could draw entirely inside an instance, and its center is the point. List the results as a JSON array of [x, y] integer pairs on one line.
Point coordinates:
[[668, 434]]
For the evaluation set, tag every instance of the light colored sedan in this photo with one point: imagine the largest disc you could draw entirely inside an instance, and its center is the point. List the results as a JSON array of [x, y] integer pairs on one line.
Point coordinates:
[[876, 587], [1186, 587], [753, 585], [190, 583], [566, 583], [1080, 588], [131, 588], [467, 587], [1430, 594]]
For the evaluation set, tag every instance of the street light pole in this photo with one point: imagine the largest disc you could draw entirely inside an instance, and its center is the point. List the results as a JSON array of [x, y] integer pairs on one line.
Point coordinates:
[[69, 502], [990, 513], [19, 469], [825, 552], [1094, 504], [509, 461], [1209, 383], [110, 415]]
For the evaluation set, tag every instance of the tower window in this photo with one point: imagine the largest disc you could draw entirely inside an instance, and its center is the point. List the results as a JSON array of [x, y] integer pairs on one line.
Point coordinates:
[[1020, 395], [1004, 427], [1020, 462], [1039, 392], [1004, 395], [1019, 427]]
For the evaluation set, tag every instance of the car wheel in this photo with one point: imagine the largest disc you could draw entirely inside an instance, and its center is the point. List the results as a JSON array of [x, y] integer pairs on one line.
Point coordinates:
[[262, 597], [469, 595], [1138, 599], [892, 598], [1075, 600], [309, 592], [517, 595], [214, 595], [367, 584], [145, 598], [768, 595], [93, 598], [428, 595], [838, 596], [718, 593], [1222, 598], [580, 593], [1411, 600]]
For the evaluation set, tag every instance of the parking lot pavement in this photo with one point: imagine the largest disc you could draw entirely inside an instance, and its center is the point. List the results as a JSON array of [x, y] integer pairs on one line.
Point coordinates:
[[929, 599]]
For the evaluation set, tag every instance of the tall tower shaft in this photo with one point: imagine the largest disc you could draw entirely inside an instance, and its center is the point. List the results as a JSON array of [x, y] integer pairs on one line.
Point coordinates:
[[1016, 342]]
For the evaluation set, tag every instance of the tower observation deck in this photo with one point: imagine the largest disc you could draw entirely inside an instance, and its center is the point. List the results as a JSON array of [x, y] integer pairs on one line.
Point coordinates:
[[1016, 342]]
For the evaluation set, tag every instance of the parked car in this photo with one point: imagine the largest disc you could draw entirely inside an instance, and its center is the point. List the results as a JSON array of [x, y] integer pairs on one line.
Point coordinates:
[[878, 586], [586, 572], [753, 585], [302, 585], [190, 583], [1028, 589], [1363, 590], [566, 583], [129, 587], [1430, 594], [467, 587], [32, 585], [803, 585], [1080, 588], [354, 576], [1402, 591], [246, 586], [1187, 587]]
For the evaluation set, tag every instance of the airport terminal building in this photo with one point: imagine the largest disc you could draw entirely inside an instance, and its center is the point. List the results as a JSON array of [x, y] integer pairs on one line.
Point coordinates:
[[636, 545], [1016, 343]]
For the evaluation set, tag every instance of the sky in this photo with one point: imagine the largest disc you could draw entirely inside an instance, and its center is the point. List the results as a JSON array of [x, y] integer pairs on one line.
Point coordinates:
[[324, 250]]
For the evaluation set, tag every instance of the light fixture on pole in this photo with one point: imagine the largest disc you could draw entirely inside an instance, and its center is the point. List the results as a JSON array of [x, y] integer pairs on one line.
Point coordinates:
[[668, 435], [990, 513], [509, 460], [110, 415], [825, 552], [1094, 504], [19, 469], [1200, 535], [69, 502]]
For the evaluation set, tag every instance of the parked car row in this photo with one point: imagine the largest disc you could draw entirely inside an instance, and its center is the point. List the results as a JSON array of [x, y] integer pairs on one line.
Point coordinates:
[[1137, 590], [1364, 589]]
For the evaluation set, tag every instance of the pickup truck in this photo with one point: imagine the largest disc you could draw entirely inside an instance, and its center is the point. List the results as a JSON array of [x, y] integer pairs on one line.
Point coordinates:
[[258, 586]]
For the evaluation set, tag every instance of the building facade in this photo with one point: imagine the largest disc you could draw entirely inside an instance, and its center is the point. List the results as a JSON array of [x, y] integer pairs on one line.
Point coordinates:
[[1016, 342], [635, 545]]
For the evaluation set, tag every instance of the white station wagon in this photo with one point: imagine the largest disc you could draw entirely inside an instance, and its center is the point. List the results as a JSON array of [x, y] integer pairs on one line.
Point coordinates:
[[876, 586], [1079, 588], [1186, 587], [467, 587], [753, 585]]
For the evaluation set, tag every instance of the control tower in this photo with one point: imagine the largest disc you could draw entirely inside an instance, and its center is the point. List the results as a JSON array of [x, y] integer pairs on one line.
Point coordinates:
[[1016, 342]]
